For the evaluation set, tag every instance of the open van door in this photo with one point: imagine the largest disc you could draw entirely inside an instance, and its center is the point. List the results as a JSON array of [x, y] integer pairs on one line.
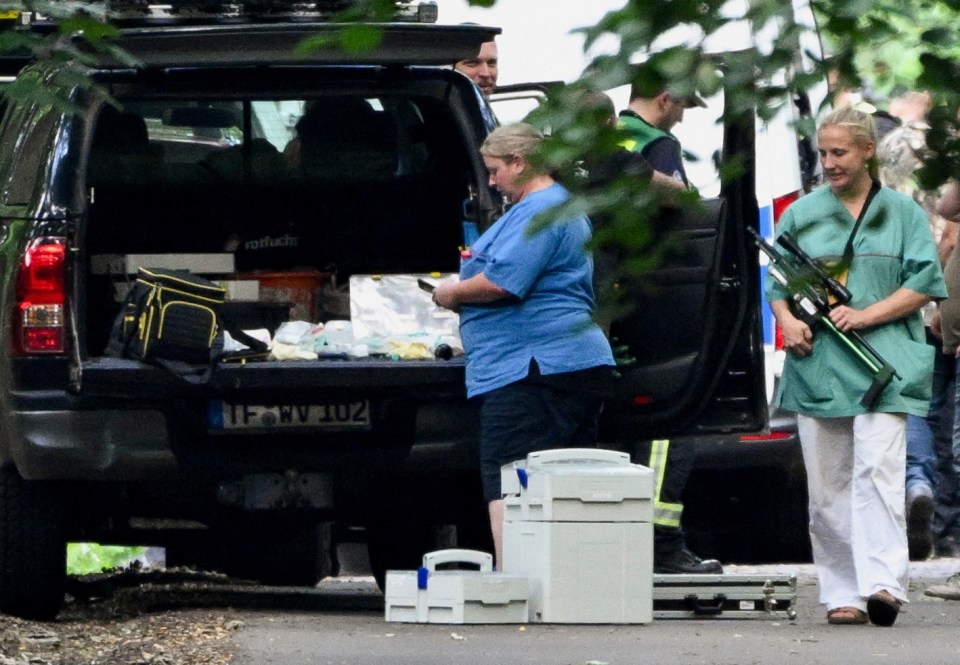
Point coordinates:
[[693, 336]]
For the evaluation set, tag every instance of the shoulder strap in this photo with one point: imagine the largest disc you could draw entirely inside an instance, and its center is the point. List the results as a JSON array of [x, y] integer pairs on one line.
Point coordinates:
[[848, 249], [185, 371]]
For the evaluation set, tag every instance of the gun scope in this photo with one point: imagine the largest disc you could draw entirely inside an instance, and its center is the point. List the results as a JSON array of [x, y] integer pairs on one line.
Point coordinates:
[[828, 282]]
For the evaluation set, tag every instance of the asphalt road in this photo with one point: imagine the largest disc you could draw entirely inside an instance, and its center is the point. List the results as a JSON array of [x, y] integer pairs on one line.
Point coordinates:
[[344, 623]]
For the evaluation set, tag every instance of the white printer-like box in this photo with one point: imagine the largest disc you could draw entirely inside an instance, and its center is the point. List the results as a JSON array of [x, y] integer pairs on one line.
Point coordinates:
[[578, 524], [577, 485], [478, 596], [583, 572]]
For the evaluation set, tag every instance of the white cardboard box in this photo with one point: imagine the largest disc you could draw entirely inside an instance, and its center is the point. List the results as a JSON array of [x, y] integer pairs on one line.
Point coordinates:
[[456, 596], [583, 572], [241, 289], [128, 264], [577, 485]]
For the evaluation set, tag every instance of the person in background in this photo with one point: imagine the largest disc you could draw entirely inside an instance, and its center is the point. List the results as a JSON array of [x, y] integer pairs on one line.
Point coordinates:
[[910, 106], [864, 99], [879, 243], [900, 155], [597, 170], [483, 68], [601, 169], [946, 519], [949, 208], [646, 124], [535, 359]]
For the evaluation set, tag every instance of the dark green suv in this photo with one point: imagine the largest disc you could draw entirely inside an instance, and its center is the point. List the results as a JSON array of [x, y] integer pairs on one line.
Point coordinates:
[[224, 142]]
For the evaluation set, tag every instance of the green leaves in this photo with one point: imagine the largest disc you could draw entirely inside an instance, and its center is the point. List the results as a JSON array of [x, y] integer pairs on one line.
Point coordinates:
[[358, 38], [89, 558]]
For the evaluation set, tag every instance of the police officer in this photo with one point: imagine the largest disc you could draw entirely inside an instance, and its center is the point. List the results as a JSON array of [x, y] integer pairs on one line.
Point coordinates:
[[647, 122]]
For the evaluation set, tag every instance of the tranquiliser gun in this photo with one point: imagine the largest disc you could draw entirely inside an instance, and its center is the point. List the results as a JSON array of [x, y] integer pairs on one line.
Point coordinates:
[[814, 292]]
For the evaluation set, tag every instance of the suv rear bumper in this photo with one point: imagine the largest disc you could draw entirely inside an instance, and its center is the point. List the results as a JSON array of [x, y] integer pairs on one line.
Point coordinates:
[[95, 445]]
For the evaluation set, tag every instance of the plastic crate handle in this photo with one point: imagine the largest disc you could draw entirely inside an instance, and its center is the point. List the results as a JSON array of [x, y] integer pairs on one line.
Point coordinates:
[[474, 557], [561, 455]]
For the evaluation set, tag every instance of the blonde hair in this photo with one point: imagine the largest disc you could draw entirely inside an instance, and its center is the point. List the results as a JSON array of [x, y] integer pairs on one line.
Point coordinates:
[[511, 141], [861, 127]]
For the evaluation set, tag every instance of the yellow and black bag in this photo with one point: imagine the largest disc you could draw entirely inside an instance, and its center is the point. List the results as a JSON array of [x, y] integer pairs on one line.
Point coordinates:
[[170, 315]]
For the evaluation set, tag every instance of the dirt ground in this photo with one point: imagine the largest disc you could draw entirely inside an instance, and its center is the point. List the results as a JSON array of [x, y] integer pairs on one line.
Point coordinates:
[[182, 617], [126, 618]]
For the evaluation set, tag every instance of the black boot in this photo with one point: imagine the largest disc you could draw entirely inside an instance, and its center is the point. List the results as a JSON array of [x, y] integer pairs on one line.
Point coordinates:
[[684, 562]]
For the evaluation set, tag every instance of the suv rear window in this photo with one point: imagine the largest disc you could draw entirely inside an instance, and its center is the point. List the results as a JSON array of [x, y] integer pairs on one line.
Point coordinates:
[[343, 137], [360, 183]]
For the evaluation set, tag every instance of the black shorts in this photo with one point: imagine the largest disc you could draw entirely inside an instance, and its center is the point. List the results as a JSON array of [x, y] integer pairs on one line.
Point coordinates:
[[527, 416]]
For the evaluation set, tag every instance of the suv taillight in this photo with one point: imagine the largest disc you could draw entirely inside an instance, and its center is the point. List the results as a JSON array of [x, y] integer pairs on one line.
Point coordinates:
[[39, 321], [780, 204]]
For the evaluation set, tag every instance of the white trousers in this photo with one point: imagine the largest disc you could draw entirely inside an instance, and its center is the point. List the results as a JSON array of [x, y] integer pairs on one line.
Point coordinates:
[[856, 470]]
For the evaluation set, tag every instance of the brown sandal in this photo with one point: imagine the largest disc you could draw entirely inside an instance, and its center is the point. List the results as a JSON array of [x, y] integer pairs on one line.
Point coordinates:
[[846, 616]]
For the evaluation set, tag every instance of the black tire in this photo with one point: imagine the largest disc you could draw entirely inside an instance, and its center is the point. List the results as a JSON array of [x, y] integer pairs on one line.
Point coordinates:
[[33, 548], [399, 544], [281, 555], [792, 521], [472, 517]]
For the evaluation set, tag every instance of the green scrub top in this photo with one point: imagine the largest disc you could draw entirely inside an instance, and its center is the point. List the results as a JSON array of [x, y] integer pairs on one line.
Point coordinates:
[[893, 248]]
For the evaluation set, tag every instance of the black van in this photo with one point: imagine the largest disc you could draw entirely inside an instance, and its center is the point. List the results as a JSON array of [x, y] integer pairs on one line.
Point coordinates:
[[223, 141]]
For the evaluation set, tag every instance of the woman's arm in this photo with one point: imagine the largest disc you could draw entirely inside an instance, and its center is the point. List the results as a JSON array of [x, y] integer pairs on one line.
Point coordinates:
[[476, 289], [948, 240], [949, 206], [897, 305], [797, 336]]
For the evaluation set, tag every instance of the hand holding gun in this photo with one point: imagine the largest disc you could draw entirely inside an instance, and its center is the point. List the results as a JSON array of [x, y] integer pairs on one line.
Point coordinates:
[[813, 293]]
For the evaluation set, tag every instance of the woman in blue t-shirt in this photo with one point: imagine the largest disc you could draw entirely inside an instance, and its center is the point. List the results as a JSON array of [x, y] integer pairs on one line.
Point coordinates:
[[535, 358]]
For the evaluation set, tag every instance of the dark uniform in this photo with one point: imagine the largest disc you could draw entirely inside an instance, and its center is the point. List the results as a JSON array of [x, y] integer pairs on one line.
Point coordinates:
[[671, 462]]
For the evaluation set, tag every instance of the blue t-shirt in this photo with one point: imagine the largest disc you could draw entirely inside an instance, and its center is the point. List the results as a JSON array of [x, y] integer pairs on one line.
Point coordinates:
[[548, 319]]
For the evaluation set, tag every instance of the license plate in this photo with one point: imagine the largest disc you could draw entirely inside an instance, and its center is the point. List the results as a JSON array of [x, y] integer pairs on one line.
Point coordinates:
[[332, 415]]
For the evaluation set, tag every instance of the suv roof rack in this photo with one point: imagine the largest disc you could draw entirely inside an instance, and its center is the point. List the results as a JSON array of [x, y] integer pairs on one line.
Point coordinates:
[[276, 44], [137, 13]]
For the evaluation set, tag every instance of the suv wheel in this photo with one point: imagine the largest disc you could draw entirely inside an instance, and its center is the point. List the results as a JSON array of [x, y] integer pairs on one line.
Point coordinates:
[[33, 549], [400, 545]]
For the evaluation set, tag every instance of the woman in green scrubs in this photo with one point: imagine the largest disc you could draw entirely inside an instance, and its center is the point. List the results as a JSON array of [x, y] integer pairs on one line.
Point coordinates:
[[855, 458]]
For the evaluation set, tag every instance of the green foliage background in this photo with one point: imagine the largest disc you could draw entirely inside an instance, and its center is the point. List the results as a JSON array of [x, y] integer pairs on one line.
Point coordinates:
[[87, 558], [889, 43]]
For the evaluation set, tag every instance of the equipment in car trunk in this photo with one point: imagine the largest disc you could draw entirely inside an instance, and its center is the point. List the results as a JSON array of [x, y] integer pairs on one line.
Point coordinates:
[[395, 315], [300, 289], [168, 315]]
